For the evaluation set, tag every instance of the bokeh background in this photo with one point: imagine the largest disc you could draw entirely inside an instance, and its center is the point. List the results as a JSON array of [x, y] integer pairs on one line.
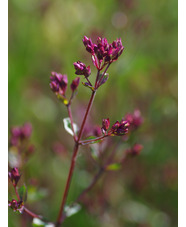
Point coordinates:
[[46, 36]]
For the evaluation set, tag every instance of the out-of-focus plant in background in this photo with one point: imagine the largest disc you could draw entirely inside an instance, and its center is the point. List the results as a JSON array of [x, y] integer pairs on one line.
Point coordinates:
[[43, 37]]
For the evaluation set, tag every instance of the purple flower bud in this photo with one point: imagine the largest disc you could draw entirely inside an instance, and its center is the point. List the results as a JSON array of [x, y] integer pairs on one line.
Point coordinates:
[[135, 150], [115, 126], [26, 130], [134, 119], [16, 205], [14, 176], [75, 84], [20, 133], [16, 131], [88, 44], [105, 124], [54, 86], [120, 128], [123, 128], [115, 50], [64, 83], [81, 69], [58, 83]]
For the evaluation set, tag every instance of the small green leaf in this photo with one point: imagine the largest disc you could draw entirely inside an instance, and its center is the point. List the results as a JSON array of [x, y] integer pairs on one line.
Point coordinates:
[[104, 79], [71, 210], [23, 193], [91, 138], [67, 126], [113, 166]]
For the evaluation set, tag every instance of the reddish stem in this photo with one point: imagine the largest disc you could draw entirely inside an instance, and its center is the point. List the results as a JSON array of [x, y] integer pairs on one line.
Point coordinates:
[[97, 77], [73, 161], [86, 142], [99, 82], [31, 213], [17, 194], [86, 114], [94, 181]]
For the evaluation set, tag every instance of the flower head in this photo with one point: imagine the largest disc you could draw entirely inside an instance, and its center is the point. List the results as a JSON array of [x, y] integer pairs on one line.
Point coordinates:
[[19, 133], [135, 150], [75, 84], [120, 128], [105, 125], [14, 176], [81, 69], [16, 205], [134, 119], [58, 83], [88, 44], [102, 52]]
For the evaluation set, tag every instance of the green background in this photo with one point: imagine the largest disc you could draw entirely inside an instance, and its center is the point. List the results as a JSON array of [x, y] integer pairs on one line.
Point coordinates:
[[46, 36]]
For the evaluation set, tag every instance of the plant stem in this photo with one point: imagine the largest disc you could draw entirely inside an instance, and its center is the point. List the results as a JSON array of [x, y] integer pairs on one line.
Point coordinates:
[[17, 194], [73, 161], [86, 114], [94, 181], [31, 213], [86, 142], [99, 82]]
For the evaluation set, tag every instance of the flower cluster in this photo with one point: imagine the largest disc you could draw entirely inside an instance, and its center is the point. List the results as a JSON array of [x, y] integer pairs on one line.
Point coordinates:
[[102, 52], [16, 205], [20, 133], [81, 69], [21, 148], [117, 129], [58, 84], [120, 128], [14, 176], [134, 119]]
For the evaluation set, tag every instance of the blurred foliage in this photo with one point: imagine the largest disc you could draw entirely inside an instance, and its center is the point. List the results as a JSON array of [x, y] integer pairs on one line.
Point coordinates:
[[46, 36]]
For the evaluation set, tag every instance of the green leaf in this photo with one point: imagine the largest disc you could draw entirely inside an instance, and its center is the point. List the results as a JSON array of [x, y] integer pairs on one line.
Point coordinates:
[[22, 191], [67, 126], [91, 138], [37, 222], [105, 78], [113, 167], [71, 210]]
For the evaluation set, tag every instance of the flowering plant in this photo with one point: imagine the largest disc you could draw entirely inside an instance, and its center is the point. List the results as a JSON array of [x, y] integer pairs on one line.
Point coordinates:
[[103, 55]]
